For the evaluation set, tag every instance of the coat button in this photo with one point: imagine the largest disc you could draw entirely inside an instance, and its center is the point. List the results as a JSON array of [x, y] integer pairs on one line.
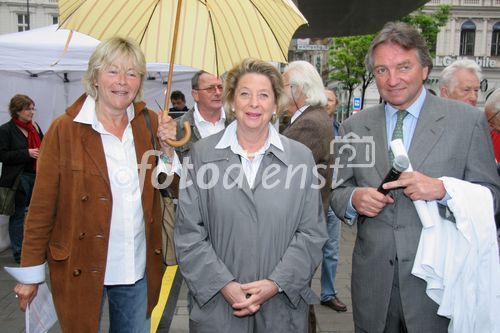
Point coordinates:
[[391, 262], [77, 272], [81, 236], [85, 197], [158, 251]]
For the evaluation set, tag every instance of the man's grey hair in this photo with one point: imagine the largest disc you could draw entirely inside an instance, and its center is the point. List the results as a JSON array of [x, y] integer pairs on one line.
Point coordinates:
[[447, 77], [196, 79], [492, 104], [405, 36], [303, 75]]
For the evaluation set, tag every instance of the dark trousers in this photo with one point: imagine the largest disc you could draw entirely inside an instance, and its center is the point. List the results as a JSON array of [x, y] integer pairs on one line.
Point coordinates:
[[395, 322], [16, 221]]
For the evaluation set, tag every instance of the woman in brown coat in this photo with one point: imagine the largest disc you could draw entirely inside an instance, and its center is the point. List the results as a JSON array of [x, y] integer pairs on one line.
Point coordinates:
[[94, 217]]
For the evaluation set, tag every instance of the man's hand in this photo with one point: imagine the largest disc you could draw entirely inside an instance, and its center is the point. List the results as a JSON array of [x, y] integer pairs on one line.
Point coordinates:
[[167, 129], [418, 186], [369, 202], [257, 293], [25, 294]]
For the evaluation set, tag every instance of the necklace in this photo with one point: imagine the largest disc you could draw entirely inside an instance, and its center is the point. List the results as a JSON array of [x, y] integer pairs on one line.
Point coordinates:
[[251, 155]]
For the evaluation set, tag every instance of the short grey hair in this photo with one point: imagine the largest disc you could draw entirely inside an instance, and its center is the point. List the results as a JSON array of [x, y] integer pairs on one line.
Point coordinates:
[[405, 36], [195, 80], [446, 78], [492, 104], [303, 75]]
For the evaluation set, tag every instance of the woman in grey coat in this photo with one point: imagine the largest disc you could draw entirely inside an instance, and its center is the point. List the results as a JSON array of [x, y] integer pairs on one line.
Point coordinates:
[[250, 225]]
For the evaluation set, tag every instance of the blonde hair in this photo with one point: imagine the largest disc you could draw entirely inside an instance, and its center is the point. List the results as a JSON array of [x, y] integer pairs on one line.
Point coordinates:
[[256, 66], [105, 54]]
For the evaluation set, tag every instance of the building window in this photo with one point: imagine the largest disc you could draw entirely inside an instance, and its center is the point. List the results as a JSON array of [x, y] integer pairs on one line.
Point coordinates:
[[495, 40], [22, 22], [467, 38], [55, 19]]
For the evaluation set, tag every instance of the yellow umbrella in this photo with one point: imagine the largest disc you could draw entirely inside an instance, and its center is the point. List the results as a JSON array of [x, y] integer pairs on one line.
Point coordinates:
[[212, 35]]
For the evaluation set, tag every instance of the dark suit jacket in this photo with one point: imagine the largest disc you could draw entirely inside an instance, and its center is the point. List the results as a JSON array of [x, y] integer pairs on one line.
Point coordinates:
[[14, 153], [313, 128], [450, 139]]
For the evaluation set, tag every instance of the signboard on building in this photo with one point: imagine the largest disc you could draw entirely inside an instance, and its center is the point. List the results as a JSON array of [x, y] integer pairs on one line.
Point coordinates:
[[483, 62], [312, 47], [356, 104]]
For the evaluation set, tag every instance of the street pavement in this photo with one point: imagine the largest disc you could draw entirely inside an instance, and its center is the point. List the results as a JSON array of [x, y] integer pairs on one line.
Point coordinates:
[[328, 321]]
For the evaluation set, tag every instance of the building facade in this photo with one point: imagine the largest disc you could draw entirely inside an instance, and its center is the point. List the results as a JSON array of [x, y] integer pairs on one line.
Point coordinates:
[[14, 15], [473, 32]]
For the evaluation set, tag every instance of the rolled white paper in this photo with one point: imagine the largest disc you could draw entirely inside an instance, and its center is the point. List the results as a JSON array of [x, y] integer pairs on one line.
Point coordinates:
[[398, 149]]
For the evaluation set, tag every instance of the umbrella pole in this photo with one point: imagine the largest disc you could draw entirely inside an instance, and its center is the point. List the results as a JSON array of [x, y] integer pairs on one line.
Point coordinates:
[[187, 126]]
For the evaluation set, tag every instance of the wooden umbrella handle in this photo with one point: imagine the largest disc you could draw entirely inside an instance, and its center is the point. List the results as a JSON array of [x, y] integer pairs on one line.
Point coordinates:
[[187, 127], [184, 140]]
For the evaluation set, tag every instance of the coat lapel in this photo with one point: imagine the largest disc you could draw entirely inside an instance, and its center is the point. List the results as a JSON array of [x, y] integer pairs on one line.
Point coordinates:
[[270, 157], [427, 132], [377, 129], [92, 144]]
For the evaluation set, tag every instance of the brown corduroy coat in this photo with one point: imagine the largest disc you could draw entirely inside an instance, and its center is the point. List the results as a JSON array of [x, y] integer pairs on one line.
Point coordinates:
[[70, 214]]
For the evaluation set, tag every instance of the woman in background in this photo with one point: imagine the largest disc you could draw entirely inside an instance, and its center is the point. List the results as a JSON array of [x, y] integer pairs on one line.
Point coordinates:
[[20, 140]]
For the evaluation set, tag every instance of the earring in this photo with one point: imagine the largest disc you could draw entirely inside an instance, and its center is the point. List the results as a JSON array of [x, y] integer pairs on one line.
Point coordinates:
[[274, 118]]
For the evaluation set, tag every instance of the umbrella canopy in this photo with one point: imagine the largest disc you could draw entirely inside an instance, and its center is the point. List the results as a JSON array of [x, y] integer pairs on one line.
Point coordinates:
[[213, 35]]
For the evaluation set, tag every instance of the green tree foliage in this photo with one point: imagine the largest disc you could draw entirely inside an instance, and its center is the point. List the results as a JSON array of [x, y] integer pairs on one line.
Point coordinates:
[[429, 23], [346, 57]]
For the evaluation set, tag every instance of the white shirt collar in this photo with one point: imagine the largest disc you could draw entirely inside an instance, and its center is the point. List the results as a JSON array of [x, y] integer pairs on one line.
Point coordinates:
[[230, 139], [199, 118], [298, 113], [87, 114]]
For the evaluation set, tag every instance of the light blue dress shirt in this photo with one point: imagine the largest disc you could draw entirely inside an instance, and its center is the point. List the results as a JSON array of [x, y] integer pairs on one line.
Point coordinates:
[[409, 125]]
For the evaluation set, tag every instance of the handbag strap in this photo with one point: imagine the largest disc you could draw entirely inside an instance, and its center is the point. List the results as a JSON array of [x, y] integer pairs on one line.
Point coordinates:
[[148, 125]]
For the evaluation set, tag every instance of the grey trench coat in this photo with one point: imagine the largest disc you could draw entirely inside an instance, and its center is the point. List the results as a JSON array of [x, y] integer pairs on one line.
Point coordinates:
[[274, 231]]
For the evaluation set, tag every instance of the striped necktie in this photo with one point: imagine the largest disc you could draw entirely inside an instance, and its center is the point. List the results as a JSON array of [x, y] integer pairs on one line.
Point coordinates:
[[398, 130]]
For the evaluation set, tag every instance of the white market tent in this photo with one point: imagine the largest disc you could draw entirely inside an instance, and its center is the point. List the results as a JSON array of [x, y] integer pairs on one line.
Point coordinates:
[[27, 66]]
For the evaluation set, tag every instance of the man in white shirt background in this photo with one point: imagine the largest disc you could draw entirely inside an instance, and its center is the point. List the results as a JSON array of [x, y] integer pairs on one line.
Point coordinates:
[[207, 116]]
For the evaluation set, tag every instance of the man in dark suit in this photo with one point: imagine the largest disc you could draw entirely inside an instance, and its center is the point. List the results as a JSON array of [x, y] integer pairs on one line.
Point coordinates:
[[311, 126], [443, 138]]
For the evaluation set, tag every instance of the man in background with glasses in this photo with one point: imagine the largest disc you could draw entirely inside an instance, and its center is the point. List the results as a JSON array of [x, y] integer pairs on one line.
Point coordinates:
[[206, 117]]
